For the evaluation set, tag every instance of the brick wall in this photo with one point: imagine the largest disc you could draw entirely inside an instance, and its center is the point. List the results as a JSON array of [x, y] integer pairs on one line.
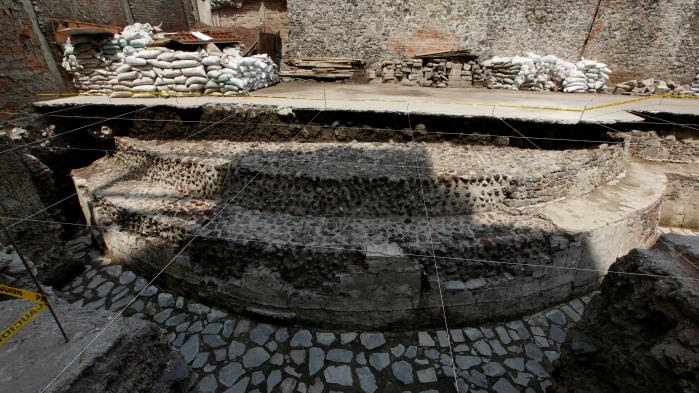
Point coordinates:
[[275, 17], [22, 67], [175, 15], [649, 38]]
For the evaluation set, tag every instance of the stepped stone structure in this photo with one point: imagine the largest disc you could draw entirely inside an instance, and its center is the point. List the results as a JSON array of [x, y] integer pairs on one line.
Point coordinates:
[[334, 233]]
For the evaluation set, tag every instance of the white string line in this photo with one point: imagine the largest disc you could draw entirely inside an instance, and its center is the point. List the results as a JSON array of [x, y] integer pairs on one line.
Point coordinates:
[[165, 267], [643, 114], [34, 114], [42, 210], [436, 268], [676, 252], [67, 132], [327, 247]]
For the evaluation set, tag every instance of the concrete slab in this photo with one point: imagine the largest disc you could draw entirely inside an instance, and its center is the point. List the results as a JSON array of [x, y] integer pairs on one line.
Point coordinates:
[[518, 105], [31, 359]]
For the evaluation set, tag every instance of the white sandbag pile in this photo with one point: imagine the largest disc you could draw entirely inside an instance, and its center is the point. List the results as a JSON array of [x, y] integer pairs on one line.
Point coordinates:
[[535, 72], [590, 77], [92, 60], [150, 72], [695, 84], [161, 72], [139, 35]]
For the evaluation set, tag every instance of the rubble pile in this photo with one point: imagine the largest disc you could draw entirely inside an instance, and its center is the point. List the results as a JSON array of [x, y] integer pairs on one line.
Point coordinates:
[[535, 72], [644, 325], [431, 73], [650, 86], [123, 66]]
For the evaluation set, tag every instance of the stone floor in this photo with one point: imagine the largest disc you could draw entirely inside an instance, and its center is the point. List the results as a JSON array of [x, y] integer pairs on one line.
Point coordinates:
[[229, 353]]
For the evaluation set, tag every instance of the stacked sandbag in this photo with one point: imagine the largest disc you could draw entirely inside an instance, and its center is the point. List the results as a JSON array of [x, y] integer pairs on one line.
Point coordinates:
[[590, 77], [120, 67], [695, 85], [151, 72], [535, 72], [139, 35], [92, 61]]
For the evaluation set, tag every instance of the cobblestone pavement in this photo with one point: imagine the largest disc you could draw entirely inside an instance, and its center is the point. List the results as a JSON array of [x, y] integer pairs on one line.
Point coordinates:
[[232, 354]]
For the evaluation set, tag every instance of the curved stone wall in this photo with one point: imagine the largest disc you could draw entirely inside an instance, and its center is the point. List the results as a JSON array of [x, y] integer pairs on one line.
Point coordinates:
[[311, 262], [369, 180]]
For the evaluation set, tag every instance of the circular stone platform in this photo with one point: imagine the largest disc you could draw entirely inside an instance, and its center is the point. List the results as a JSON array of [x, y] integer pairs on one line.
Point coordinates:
[[335, 234]]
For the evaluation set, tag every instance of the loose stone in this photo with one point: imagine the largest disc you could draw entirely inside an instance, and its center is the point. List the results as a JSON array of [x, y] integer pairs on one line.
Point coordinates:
[[325, 338], [301, 339], [427, 375], [316, 360], [366, 378], [372, 340], [273, 380], [403, 371], [341, 375], [127, 277], [260, 334], [379, 360], [255, 357]]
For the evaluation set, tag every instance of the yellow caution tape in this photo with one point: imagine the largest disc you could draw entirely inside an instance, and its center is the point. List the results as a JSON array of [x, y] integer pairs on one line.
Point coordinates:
[[40, 301], [182, 94], [22, 294], [20, 323]]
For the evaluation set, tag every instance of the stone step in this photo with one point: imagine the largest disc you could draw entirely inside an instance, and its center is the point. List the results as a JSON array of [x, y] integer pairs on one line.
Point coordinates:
[[369, 179], [369, 271]]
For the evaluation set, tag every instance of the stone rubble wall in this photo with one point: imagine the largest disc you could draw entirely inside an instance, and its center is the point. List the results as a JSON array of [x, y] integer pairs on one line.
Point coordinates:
[[648, 87], [305, 268], [230, 352], [681, 202], [634, 39], [650, 145], [329, 192]]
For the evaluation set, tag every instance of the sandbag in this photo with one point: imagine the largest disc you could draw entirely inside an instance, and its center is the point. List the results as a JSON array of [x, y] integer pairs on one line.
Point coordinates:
[[170, 73], [211, 61], [194, 71], [167, 56], [188, 56], [147, 54], [196, 80], [144, 80], [127, 76], [121, 94], [135, 61], [185, 64], [143, 89]]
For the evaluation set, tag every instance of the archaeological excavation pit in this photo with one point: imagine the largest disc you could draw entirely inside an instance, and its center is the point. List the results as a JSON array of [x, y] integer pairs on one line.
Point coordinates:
[[337, 229]]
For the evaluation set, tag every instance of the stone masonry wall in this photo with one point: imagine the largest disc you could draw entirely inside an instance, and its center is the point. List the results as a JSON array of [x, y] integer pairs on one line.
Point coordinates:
[[651, 145], [623, 31], [681, 201]]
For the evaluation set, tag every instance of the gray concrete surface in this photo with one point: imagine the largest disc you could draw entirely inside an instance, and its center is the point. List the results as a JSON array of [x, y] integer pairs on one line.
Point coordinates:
[[521, 105], [31, 359]]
